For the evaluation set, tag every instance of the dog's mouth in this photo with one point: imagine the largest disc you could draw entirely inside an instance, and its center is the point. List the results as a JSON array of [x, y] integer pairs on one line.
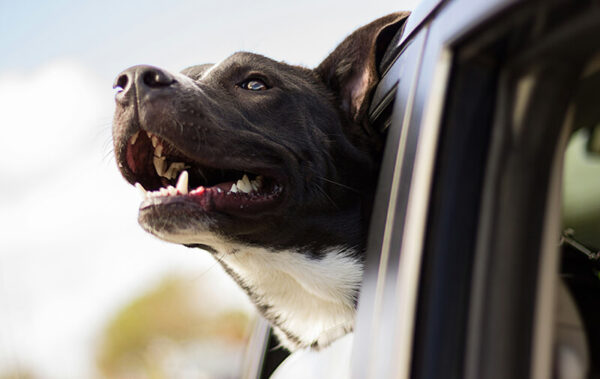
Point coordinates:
[[165, 175]]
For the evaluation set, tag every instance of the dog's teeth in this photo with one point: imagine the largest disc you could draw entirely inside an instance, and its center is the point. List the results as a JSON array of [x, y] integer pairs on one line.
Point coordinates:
[[173, 170], [245, 179], [172, 190], [134, 138], [241, 185], [154, 141], [158, 151], [244, 184], [159, 165], [256, 183], [198, 191], [182, 183], [142, 190], [234, 188]]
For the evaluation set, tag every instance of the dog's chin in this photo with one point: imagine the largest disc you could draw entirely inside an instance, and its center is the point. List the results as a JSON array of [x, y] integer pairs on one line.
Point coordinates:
[[190, 218]]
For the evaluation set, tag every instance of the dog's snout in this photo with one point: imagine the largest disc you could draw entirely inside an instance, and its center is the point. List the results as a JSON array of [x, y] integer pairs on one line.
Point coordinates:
[[141, 78]]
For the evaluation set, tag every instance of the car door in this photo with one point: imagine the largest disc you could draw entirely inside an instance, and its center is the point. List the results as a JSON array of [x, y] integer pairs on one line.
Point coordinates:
[[463, 261]]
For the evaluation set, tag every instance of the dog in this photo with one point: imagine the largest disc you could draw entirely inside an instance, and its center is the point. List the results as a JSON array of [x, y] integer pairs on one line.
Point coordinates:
[[270, 167]]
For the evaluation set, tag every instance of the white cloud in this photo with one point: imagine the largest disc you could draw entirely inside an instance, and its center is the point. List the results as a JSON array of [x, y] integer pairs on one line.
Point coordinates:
[[47, 112]]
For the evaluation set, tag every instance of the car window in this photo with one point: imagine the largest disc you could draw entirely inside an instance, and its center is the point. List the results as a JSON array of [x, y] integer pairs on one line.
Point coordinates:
[[577, 343], [581, 189]]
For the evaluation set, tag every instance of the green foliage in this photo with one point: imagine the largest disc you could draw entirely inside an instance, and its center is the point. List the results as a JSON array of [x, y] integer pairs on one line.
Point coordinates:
[[166, 317]]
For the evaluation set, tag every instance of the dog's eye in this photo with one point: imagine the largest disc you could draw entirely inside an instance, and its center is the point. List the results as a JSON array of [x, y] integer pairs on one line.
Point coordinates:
[[254, 85]]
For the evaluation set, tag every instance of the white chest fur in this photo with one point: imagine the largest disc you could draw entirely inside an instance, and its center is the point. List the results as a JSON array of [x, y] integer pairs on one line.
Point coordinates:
[[310, 300]]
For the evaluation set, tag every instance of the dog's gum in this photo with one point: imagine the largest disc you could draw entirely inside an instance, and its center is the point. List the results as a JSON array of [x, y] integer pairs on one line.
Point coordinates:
[[198, 191]]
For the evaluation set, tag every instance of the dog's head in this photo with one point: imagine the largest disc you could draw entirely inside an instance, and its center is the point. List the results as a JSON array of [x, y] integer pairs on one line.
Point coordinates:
[[255, 151]]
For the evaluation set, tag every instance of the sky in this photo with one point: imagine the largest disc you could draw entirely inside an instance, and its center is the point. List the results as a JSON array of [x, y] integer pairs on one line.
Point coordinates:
[[71, 252]]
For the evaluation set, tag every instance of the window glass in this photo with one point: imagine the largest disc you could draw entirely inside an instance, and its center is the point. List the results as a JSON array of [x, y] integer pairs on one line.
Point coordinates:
[[581, 191]]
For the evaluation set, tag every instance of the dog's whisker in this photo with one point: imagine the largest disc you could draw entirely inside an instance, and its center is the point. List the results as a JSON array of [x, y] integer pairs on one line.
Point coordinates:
[[324, 193], [108, 155], [206, 271], [181, 127], [339, 184], [108, 158]]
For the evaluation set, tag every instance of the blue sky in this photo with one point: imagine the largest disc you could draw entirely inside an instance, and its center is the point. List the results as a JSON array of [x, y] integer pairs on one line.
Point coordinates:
[[111, 35], [70, 241]]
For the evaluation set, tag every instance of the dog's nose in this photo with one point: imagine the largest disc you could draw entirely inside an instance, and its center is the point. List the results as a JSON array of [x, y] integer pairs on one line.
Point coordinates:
[[142, 77]]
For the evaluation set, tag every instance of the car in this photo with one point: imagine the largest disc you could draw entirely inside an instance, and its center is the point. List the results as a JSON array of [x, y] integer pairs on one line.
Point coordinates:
[[482, 257]]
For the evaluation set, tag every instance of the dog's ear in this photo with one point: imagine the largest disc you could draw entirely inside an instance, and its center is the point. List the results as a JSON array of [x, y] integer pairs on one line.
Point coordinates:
[[351, 71]]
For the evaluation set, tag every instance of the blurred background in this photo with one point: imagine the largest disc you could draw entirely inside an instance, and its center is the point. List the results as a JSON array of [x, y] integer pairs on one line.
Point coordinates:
[[84, 292]]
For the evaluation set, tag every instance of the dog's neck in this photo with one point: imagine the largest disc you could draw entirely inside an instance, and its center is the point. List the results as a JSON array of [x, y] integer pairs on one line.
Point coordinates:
[[311, 301], [308, 296]]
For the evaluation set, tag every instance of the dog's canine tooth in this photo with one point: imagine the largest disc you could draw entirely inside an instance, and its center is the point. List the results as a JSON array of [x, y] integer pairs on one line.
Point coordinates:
[[142, 190], [182, 183], [154, 141], [234, 188], [159, 165], [134, 138], [158, 151]]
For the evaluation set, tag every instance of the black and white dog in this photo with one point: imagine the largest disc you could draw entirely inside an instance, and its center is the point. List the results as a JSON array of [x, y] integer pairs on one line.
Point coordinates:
[[270, 167]]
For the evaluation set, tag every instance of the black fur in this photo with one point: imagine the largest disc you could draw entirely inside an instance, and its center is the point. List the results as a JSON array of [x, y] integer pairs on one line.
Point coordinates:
[[307, 131]]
